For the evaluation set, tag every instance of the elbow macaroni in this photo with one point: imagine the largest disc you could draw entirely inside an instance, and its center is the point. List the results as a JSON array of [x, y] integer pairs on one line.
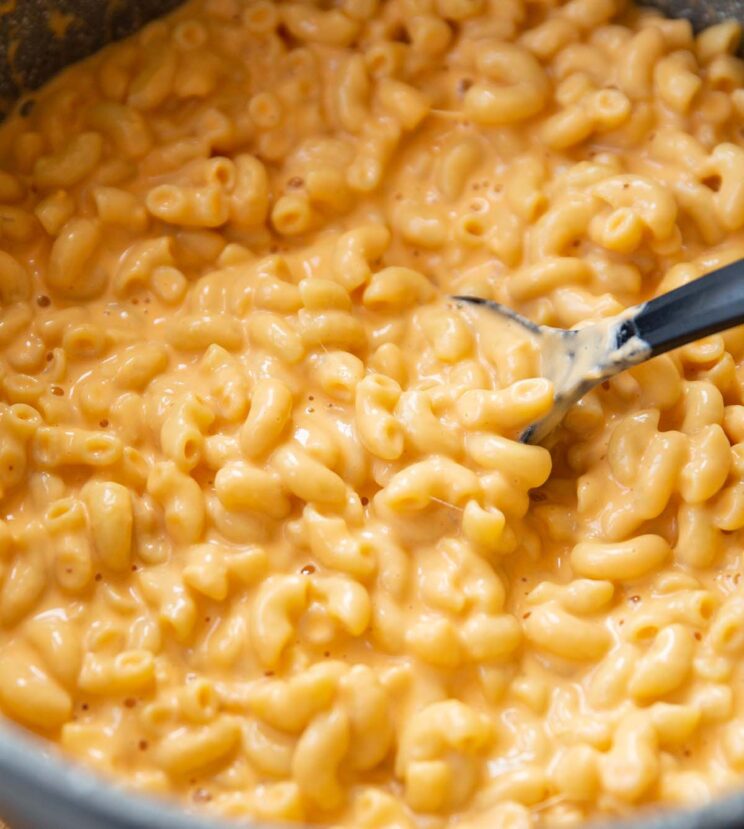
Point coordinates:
[[268, 540]]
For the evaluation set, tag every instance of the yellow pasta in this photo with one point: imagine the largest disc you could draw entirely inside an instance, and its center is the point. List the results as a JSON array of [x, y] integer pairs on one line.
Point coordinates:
[[268, 538]]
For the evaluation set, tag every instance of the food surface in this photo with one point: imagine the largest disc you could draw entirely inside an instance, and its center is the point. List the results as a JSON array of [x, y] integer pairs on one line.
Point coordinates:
[[269, 543]]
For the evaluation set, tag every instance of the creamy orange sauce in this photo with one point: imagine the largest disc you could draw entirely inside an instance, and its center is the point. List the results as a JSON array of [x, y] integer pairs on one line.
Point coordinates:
[[60, 22], [268, 542]]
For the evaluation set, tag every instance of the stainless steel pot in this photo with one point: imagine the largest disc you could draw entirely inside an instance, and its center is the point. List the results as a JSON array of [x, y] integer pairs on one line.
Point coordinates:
[[38, 789]]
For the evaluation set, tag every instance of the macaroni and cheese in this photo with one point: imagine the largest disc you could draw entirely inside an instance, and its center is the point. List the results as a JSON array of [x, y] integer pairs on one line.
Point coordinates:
[[268, 540]]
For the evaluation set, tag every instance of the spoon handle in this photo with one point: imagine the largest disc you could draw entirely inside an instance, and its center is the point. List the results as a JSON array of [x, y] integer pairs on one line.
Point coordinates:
[[702, 307]]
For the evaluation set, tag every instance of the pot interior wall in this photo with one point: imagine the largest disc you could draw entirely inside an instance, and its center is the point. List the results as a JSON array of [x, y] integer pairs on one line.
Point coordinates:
[[40, 37]]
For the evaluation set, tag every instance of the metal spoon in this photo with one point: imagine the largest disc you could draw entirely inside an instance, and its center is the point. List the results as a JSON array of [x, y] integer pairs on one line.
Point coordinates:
[[578, 359]]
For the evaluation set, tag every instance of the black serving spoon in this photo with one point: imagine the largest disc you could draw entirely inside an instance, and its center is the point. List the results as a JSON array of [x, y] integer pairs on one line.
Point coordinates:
[[577, 359]]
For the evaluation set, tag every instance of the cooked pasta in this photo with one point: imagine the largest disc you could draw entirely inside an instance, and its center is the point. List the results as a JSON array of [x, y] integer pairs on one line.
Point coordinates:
[[268, 540]]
